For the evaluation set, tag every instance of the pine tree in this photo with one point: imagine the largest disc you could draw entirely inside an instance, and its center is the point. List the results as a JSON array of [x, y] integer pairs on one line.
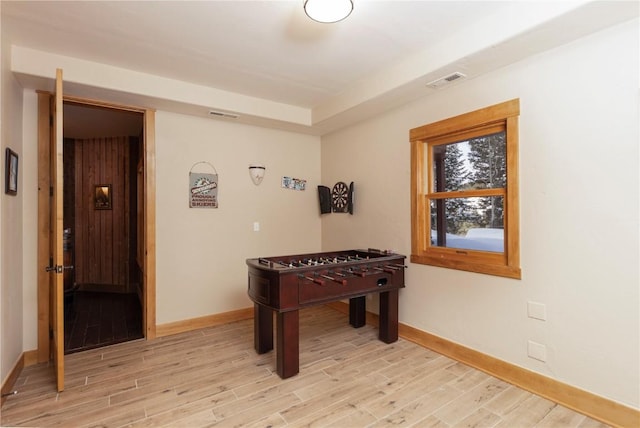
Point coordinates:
[[487, 155], [460, 211], [456, 174]]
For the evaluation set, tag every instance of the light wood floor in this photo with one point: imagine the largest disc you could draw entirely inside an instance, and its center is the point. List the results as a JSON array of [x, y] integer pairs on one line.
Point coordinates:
[[213, 377]]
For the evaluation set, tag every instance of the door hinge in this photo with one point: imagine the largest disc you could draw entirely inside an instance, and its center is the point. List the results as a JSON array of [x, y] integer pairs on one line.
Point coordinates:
[[50, 334], [51, 191]]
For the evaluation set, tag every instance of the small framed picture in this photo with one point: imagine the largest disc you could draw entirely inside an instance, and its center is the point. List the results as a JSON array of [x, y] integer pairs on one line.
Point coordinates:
[[11, 172], [102, 197]]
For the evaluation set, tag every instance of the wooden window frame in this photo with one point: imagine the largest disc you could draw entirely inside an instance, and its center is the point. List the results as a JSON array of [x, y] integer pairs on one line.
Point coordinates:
[[422, 139]]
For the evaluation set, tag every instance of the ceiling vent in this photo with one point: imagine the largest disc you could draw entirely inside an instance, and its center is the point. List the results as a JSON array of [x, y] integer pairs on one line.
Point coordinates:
[[223, 114], [438, 83]]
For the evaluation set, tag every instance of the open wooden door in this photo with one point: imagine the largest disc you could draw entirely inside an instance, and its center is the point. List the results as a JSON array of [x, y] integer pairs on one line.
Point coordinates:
[[57, 267], [51, 342]]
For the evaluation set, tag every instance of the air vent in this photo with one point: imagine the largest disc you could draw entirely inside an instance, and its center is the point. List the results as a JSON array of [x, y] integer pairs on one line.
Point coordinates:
[[438, 83], [223, 114]]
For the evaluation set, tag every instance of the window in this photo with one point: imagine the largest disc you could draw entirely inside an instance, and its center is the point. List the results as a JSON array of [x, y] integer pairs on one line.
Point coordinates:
[[464, 192]]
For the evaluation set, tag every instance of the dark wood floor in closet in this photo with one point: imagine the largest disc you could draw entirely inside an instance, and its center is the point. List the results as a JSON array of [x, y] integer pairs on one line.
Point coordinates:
[[94, 319]]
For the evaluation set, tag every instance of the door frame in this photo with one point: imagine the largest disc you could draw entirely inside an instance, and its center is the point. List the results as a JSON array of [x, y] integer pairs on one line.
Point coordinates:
[[45, 130]]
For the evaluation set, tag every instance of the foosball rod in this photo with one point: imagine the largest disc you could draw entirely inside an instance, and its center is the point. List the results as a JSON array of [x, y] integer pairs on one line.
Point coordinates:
[[339, 281], [387, 270], [361, 274], [308, 278]]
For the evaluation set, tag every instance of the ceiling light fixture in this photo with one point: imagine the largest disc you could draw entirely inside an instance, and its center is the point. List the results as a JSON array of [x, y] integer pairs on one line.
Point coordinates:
[[328, 11]]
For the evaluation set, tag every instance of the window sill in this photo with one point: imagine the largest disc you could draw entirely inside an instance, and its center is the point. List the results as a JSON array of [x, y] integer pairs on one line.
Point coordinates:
[[488, 269]]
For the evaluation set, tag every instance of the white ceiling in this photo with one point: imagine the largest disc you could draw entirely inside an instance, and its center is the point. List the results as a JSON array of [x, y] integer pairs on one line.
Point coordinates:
[[381, 56]]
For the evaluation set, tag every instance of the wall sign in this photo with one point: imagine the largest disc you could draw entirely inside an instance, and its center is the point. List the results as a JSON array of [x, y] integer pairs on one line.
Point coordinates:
[[203, 188], [294, 183]]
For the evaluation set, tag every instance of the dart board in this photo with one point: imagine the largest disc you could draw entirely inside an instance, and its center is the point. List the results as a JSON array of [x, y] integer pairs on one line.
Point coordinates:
[[340, 198]]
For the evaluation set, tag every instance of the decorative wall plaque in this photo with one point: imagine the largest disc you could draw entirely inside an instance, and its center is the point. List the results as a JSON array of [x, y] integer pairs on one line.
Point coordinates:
[[203, 188]]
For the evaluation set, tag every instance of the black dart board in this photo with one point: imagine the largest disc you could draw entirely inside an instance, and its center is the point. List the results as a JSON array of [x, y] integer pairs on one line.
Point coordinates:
[[340, 198]]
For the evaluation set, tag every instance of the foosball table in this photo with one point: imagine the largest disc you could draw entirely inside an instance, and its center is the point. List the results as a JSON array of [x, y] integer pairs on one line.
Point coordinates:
[[285, 284]]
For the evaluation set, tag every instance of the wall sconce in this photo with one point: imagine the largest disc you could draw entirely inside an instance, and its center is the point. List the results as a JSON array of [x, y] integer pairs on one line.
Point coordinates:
[[257, 173]]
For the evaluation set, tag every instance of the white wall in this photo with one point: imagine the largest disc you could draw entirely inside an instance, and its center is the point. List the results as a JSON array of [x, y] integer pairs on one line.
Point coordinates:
[[11, 212], [201, 253], [579, 188]]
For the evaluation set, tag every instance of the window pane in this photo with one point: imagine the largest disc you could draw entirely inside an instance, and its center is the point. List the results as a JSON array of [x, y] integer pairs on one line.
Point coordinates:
[[468, 223], [478, 163]]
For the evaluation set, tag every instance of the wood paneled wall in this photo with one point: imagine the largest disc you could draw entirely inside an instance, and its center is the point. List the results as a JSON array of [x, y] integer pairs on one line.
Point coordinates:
[[101, 237]]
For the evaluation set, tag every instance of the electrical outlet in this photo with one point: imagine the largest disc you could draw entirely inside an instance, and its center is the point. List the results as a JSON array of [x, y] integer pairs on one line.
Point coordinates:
[[537, 310], [537, 351], [256, 226]]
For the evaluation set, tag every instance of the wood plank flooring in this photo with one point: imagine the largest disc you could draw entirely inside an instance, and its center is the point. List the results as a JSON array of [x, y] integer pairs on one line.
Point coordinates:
[[213, 377], [93, 319]]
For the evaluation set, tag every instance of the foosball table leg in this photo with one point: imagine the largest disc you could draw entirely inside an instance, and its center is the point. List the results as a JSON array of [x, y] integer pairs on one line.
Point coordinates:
[[388, 329], [287, 342], [262, 329], [358, 311]]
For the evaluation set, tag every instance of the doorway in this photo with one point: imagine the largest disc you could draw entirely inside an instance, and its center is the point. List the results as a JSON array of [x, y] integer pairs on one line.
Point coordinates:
[[145, 205], [102, 293]]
